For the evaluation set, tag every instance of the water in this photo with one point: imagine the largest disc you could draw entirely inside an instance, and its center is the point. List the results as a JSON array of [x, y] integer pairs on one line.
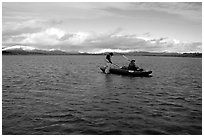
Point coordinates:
[[69, 95]]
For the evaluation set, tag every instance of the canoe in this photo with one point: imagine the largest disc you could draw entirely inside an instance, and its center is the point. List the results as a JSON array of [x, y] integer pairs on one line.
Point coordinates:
[[128, 72]]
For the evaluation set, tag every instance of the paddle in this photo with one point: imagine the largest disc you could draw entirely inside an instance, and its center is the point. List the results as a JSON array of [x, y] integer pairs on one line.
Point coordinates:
[[126, 58]]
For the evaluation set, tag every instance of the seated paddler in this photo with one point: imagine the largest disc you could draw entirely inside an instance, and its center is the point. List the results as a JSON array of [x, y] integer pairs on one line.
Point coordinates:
[[132, 66]]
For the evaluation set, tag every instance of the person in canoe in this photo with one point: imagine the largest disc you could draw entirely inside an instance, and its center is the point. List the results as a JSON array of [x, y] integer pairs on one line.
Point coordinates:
[[133, 66], [108, 62]]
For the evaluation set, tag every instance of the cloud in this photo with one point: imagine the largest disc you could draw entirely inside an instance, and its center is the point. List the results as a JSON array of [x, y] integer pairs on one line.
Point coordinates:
[[28, 31], [26, 19], [90, 10], [56, 38], [49, 36], [188, 10], [22, 27]]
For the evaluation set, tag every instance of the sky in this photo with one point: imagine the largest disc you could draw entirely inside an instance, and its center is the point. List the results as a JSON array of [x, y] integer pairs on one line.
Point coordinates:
[[104, 26]]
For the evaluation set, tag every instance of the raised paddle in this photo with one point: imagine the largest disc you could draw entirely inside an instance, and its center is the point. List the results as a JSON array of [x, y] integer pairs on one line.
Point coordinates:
[[126, 58]]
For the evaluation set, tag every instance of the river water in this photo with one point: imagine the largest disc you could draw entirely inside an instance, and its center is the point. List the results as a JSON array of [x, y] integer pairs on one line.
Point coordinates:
[[69, 95]]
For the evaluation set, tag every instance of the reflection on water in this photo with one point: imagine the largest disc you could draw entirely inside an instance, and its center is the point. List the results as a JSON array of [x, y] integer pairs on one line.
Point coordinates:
[[69, 95]]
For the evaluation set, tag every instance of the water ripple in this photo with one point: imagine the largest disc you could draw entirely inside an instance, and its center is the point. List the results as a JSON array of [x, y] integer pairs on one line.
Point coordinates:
[[68, 95]]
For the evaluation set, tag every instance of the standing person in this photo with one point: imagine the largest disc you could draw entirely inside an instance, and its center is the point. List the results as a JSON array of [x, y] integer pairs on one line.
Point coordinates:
[[108, 62]]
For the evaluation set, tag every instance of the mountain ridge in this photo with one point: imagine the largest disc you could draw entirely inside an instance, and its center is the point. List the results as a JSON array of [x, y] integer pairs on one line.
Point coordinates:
[[25, 50]]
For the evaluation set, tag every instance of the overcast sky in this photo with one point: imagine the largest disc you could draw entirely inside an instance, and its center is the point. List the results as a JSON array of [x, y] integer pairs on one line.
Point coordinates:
[[96, 27]]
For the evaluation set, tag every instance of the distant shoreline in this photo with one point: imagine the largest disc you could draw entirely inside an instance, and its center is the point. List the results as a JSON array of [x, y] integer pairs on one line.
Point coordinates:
[[191, 55]]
